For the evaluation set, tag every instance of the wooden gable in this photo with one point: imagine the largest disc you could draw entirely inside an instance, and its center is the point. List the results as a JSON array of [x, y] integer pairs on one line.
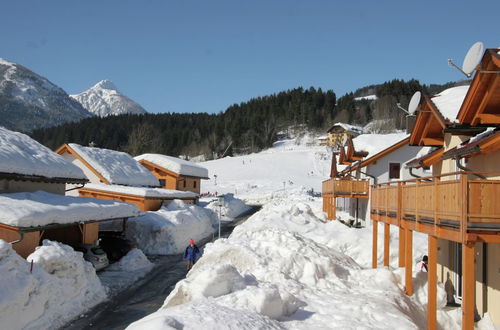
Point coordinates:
[[334, 173], [429, 126], [482, 102], [66, 149]]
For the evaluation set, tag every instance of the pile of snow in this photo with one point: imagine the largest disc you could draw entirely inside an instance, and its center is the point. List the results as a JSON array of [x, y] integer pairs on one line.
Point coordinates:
[[449, 101], [61, 287], [32, 209], [143, 191], [126, 271], [232, 207], [104, 99], [20, 154], [176, 165], [275, 266], [168, 230], [115, 166]]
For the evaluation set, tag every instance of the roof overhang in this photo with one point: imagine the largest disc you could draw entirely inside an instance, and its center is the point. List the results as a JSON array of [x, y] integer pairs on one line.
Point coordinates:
[[482, 102], [429, 125], [484, 145], [65, 148], [36, 178], [426, 160]]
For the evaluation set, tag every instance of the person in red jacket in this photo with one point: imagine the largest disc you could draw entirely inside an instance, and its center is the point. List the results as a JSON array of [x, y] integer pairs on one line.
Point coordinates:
[[191, 254]]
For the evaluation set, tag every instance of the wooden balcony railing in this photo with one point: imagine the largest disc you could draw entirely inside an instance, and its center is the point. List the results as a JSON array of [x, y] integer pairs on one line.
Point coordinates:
[[346, 188], [455, 201]]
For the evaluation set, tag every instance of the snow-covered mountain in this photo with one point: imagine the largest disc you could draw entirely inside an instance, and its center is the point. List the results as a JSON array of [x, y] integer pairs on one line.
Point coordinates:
[[103, 99], [29, 101]]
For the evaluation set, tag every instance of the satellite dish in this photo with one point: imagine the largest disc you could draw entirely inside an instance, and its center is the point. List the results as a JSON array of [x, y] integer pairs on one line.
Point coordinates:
[[414, 102], [473, 58]]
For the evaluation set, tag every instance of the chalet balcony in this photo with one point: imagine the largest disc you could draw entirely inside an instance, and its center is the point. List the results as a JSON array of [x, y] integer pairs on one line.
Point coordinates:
[[453, 206], [346, 188]]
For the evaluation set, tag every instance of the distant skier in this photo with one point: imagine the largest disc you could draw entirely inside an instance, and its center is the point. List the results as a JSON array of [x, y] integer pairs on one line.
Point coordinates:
[[191, 254]]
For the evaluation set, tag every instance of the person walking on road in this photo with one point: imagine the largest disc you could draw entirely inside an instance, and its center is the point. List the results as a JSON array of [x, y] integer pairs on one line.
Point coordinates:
[[191, 254]]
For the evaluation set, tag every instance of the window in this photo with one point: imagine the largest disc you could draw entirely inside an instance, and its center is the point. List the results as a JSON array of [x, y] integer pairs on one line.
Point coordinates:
[[194, 184], [163, 182], [184, 183], [394, 169], [426, 168]]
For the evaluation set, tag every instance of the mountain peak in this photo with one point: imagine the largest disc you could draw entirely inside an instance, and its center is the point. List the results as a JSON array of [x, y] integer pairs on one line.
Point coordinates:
[[106, 84]]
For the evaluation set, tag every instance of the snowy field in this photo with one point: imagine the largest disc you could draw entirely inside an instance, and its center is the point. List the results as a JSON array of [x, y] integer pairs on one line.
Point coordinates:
[[287, 267]]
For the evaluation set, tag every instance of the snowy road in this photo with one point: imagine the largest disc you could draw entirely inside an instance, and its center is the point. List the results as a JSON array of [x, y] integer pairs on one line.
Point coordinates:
[[146, 296]]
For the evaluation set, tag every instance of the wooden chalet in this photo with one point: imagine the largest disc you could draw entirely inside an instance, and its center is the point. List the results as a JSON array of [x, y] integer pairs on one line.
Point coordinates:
[[340, 132], [458, 206], [117, 176], [32, 176], [174, 173]]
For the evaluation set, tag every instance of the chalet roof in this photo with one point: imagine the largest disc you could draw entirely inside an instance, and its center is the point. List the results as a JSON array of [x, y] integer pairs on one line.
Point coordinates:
[[482, 103], [426, 157], [155, 193], [385, 152], [37, 209], [342, 127], [483, 143], [448, 102], [114, 166], [22, 158], [176, 165]]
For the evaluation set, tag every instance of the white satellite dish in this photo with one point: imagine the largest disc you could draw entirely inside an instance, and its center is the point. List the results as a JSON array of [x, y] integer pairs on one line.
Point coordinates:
[[473, 58], [414, 102]]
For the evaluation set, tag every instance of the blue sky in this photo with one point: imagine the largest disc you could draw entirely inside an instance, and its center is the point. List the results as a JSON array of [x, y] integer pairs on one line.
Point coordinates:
[[203, 56]]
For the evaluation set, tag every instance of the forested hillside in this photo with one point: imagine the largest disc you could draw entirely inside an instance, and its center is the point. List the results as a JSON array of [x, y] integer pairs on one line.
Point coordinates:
[[245, 127]]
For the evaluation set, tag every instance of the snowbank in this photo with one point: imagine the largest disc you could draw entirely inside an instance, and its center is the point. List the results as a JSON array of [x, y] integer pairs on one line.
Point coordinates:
[[232, 208], [115, 166], [32, 209], [176, 165], [21, 154], [125, 272], [61, 287], [168, 230], [288, 264]]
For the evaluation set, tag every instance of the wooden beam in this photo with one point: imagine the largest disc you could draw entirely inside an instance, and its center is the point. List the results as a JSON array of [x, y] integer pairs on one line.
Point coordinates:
[[374, 246], [488, 118], [468, 286], [432, 283], [409, 262], [387, 233], [334, 208], [401, 253], [428, 141]]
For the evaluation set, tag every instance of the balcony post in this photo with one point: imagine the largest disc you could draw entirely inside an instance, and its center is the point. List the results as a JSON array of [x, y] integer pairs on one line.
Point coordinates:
[[468, 285], [387, 233], [401, 247], [334, 208], [409, 262], [464, 202], [432, 283], [374, 246]]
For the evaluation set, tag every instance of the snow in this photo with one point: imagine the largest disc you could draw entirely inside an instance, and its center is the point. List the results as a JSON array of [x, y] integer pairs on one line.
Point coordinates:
[[449, 101], [143, 191], [176, 165], [104, 99], [168, 230], [232, 207], [61, 287], [350, 128], [375, 143], [120, 275], [20, 154], [367, 97], [33, 209], [116, 167]]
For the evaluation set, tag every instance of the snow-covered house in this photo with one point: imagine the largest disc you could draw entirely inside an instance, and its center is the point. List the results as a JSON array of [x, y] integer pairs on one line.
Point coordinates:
[[340, 132], [116, 175], [458, 206], [174, 173], [388, 154], [32, 202]]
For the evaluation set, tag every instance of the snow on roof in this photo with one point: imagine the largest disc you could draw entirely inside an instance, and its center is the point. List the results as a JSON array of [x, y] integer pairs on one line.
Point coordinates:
[[116, 167], [375, 143], [175, 165], [143, 191], [20, 154], [348, 127], [367, 97], [40, 208], [449, 101]]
